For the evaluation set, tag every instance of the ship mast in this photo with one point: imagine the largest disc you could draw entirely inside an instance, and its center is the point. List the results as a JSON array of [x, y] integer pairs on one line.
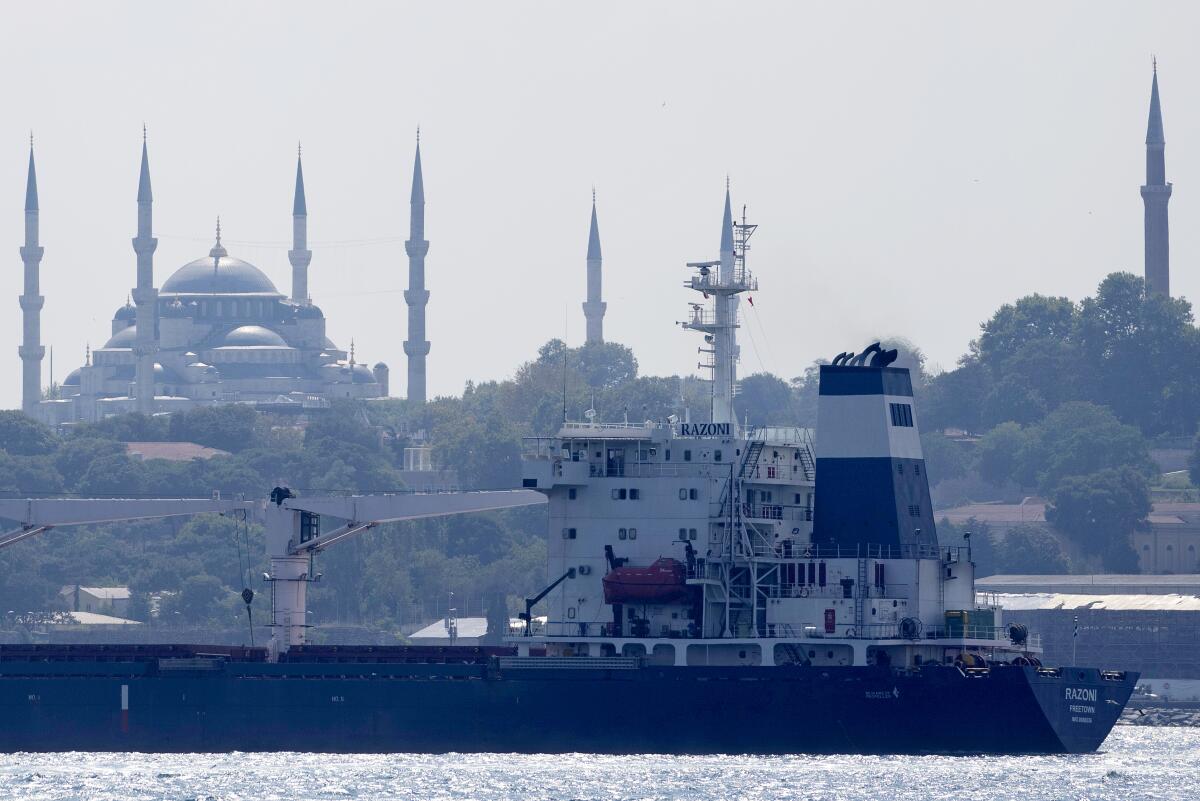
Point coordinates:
[[720, 282]]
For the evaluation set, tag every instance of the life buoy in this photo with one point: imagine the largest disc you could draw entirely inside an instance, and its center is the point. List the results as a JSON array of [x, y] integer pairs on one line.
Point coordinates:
[[803, 592], [808, 552], [850, 632]]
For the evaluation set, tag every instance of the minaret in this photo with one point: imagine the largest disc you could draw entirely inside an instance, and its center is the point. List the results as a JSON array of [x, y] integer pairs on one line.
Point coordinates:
[[31, 350], [416, 296], [145, 296], [299, 255], [1155, 195], [594, 308]]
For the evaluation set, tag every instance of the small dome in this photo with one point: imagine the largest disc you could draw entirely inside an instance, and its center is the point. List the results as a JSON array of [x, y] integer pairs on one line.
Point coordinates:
[[126, 312], [253, 336], [221, 275], [329, 344], [309, 312], [124, 338], [381, 366], [72, 379], [363, 374], [175, 309]]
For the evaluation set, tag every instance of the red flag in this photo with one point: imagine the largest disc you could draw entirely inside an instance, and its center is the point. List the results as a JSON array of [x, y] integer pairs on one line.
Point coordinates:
[[749, 298]]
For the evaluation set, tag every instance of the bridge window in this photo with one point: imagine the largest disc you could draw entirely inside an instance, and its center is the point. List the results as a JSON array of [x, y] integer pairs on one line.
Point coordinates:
[[568, 533], [571, 493], [914, 510], [635, 494], [633, 533], [691, 533], [687, 456], [683, 493], [622, 534], [693, 494], [716, 456], [901, 414]]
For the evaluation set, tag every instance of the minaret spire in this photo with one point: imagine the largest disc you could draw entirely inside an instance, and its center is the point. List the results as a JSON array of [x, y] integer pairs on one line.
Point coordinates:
[[300, 255], [31, 350], [416, 347], [145, 296], [1156, 193], [594, 307]]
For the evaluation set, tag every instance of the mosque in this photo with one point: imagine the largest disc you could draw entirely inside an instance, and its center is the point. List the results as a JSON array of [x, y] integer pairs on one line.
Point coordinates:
[[218, 330]]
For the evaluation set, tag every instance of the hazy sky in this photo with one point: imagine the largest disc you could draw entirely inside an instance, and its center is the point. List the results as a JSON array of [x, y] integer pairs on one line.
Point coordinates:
[[911, 165]]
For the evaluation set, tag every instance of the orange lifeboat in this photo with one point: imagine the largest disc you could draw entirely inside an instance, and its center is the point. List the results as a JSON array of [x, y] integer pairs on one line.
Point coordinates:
[[662, 582]]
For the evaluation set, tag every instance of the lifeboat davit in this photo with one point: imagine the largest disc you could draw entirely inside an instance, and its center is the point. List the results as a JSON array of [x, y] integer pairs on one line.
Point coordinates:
[[662, 582]]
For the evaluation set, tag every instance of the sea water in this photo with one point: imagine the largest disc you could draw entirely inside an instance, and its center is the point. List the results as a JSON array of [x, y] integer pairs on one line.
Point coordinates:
[[1135, 763]]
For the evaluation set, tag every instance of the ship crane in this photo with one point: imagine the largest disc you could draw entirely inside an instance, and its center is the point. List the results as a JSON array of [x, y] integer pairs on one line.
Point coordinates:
[[293, 529]]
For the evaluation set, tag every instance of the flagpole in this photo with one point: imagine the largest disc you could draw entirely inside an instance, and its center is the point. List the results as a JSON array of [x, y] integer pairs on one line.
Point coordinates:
[[1074, 640]]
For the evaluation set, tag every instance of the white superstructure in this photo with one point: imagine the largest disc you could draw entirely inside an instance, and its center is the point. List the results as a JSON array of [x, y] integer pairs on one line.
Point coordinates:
[[704, 543]]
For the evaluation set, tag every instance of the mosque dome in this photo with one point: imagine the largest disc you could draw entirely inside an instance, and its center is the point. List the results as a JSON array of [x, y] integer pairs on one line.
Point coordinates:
[[223, 275], [253, 336], [219, 274], [126, 312], [125, 338]]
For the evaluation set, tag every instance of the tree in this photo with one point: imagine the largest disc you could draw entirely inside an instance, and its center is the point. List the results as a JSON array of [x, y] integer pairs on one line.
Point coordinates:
[[1014, 325], [1012, 399], [1100, 512], [1194, 461], [944, 458], [114, 476], [229, 427], [24, 436], [1003, 455], [765, 399], [74, 456], [1079, 438], [198, 600], [1030, 550]]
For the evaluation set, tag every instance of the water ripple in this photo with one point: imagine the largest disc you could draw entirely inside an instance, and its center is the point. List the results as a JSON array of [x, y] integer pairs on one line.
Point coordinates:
[[1136, 763]]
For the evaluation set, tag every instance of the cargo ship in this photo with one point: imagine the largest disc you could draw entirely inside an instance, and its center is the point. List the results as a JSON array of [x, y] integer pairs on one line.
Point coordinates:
[[713, 587]]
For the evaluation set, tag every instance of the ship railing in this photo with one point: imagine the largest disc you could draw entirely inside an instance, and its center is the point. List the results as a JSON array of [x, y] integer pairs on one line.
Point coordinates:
[[997, 635], [802, 590], [777, 511], [643, 470], [584, 426], [945, 553]]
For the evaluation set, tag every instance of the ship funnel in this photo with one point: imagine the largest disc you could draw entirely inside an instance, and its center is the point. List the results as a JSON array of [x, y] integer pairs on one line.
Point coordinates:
[[872, 487]]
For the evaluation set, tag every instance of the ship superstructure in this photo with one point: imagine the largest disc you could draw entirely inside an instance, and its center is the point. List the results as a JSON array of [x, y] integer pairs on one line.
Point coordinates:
[[713, 543]]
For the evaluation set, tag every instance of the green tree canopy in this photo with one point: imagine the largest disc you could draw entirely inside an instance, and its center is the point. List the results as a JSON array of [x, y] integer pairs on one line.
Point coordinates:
[[1100, 512]]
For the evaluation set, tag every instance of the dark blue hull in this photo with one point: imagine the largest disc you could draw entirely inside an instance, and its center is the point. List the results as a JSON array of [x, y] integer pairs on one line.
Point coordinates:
[[481, 707]]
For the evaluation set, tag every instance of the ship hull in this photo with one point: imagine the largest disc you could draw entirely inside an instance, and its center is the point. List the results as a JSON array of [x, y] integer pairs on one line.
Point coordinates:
[[437, 708]]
